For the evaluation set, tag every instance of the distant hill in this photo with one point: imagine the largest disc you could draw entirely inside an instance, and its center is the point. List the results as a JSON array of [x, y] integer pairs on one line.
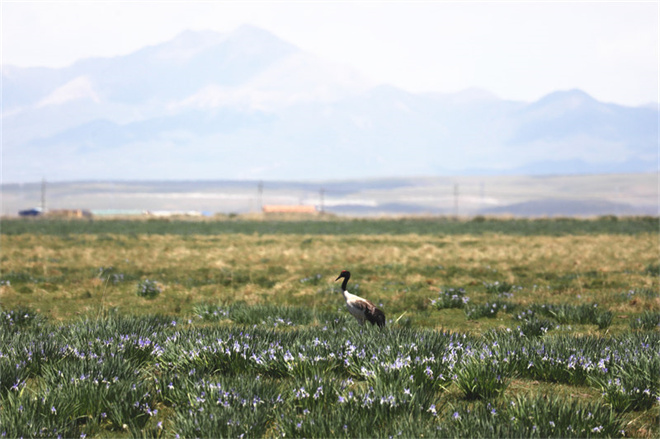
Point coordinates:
[[570, 208], [248, 105]]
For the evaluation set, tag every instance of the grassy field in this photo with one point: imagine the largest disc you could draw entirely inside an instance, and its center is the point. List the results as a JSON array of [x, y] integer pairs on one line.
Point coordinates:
[[544, 328], [330, 225]]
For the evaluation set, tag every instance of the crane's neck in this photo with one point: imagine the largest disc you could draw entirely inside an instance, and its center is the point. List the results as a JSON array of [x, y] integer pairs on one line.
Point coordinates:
[[344, 291], [345, 283]]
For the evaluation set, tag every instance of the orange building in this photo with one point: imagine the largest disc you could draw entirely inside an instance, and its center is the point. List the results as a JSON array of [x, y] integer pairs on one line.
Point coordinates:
[[274, 208]]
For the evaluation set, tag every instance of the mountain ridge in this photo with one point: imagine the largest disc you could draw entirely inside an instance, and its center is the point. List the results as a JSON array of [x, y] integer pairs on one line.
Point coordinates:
[[247, 104]]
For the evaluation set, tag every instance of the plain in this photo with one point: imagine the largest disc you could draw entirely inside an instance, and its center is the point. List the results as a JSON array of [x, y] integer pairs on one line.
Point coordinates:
[[236, 327]]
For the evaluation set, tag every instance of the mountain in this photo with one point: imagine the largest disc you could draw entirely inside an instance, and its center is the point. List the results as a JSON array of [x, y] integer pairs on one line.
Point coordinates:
[[248, 105], [570, 208]]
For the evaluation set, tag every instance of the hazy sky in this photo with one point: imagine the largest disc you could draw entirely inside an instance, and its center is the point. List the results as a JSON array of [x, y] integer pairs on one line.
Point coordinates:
[[518, 50]]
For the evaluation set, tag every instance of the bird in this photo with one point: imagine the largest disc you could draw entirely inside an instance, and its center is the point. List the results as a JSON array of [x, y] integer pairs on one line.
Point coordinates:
[[360, 308]]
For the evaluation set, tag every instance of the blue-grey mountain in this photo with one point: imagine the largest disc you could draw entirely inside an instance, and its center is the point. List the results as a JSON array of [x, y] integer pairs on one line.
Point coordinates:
[[247, 105]]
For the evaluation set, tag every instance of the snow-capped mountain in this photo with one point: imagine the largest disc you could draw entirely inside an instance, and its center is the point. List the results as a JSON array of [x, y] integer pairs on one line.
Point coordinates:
[[247, 104]]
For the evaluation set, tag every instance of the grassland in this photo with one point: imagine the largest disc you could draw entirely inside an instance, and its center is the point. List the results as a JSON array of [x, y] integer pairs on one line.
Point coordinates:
[[330, 225], [235, 320]]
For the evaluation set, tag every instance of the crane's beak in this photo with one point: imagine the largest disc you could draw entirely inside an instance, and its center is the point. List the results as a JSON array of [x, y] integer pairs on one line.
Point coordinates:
[[340, 276]]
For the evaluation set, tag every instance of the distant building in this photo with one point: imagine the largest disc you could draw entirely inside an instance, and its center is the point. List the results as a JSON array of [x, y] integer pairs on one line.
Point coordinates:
[[274, 208], [69, 213]]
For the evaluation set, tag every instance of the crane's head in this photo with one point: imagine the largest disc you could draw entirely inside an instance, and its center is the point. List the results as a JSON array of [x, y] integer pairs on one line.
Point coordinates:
[[345, 274]]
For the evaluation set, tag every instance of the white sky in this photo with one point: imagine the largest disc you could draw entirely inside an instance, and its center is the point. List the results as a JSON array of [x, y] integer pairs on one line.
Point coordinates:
[[518, 50]]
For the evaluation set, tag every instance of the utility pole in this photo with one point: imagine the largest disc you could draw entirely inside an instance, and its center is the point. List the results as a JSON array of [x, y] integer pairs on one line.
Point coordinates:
[[456, 200], [260, 193], [322, 196], [43, 195]]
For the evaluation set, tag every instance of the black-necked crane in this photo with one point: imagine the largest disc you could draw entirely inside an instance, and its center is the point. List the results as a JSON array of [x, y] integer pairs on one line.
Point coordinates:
[[360, 308]]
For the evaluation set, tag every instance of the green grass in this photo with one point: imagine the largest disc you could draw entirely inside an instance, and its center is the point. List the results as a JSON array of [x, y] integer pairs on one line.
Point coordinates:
[[544, 328], [320, 376], [332, 226]]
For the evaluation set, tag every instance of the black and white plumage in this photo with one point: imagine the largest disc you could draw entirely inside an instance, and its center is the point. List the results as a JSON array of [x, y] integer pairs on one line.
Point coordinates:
[[360, 308]]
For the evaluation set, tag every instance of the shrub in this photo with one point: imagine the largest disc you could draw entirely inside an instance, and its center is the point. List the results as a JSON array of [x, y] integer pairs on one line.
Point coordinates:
[[572, 314], [20, 317], [490, 310], [531, 418], [604, 319], [452, 298], [312, 280], [481, 378], [535, 327], [148, 289], [648, 320], [653, 270], [632, 385], [210, 312], [498, 288]]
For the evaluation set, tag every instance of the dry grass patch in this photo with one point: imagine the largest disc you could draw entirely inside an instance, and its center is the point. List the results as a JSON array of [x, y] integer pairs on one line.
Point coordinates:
[[65, 275]]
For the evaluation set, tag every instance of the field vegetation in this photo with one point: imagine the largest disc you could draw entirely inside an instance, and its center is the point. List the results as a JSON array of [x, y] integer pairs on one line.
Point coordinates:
[[519, 328]]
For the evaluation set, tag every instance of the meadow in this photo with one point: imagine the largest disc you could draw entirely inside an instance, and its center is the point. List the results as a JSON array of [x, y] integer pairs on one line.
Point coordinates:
[[235, 327]]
